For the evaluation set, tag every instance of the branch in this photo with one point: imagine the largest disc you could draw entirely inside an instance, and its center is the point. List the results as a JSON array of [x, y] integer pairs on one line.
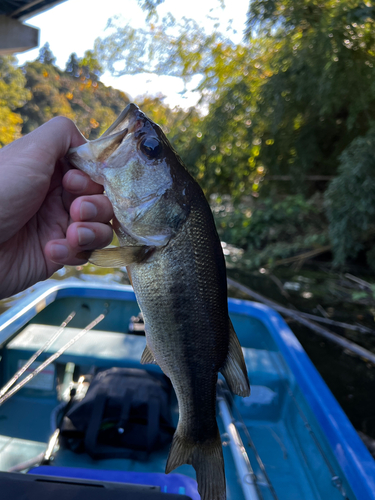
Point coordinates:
[[334, 337], [302, 256]]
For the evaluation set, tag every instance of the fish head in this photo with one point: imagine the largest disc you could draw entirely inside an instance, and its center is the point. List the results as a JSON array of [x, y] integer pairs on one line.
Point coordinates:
[[137, 166], [132, 142]]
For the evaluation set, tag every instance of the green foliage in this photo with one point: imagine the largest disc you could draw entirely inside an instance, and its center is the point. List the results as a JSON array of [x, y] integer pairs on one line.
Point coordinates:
[[370, 257], [296, 99], [293, 100], [12, 95], [75, 93], [286, 102], [180, 49], [45, 55], [350, 199], [320, 94], [87, 68], [269, 230]]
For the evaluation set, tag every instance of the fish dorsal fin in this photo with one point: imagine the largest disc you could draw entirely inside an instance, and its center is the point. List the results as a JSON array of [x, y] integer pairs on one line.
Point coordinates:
[[116, 257], [147, 357], [234, 369]]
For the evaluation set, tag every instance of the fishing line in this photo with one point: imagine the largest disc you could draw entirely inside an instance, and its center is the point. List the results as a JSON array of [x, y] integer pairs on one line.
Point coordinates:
[[28, 363], [51, 359]]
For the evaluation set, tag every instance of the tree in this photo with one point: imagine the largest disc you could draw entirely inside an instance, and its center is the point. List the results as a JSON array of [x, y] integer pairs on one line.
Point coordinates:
[[12, 95], [87, 67], [72, 66], [350, 201], [303, 83], [294, 101], [45, 55], [320, 93], [75, 93], [215, 148]]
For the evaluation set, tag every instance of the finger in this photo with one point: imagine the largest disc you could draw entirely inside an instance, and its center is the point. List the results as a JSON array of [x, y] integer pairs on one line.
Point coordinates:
[[79, 183], [79, 237], [89, 236], [95, 208]]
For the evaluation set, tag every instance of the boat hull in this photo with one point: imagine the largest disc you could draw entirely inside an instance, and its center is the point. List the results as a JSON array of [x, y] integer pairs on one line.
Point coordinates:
[[298, 441]]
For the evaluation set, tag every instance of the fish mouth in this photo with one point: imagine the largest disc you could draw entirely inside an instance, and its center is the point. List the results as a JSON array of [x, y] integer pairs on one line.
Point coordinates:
[[130, 120], [124, 121]]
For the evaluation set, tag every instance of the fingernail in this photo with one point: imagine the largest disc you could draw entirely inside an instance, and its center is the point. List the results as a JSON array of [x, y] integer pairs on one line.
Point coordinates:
[[59, 252], [77, 182], [88, 210], [85, 236]]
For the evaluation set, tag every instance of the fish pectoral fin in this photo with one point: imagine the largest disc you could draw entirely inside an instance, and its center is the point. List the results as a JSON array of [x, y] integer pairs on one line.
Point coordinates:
[[115, 257], [207, 460], [147, 357], [234, 369]]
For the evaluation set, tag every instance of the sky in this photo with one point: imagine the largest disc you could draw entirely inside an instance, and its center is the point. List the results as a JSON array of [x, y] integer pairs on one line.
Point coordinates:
[[73, 26]]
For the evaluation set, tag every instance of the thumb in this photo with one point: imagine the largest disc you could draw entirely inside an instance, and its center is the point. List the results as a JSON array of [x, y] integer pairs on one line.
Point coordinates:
[[51, 141], [27, 166]]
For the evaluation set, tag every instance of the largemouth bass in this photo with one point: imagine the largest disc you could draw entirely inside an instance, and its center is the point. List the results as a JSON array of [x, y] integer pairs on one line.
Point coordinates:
[[173, 255]]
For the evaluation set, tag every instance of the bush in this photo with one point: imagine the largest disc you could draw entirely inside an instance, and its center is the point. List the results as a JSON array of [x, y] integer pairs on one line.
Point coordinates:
[[270, 229], [350, 199]]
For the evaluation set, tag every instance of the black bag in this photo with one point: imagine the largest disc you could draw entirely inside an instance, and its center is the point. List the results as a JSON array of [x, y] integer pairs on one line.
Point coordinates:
[[125, 414]]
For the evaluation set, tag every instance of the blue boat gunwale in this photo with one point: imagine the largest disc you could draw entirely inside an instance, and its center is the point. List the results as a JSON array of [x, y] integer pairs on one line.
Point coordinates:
[[353, 457]]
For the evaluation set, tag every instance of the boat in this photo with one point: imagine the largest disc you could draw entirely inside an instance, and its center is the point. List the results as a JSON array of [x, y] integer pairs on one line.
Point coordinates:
[[289, 440]]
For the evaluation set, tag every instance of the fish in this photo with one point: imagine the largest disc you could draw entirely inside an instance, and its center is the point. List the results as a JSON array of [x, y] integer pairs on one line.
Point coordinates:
[[172, 252]]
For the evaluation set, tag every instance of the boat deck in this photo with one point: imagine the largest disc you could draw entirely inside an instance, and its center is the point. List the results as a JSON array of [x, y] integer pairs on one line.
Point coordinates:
[[290, 456]]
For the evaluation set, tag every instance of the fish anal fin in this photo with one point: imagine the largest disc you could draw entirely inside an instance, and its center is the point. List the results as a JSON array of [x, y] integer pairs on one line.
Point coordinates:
[[207, 460], [148, 357], [234, 369], [115, 257]]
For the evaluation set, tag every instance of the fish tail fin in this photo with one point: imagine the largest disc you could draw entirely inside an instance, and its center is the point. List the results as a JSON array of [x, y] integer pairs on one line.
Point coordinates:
[[234, 369], [207, 460]]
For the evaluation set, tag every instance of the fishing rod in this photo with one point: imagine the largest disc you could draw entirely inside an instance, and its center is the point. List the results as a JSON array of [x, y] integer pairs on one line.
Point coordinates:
[[224, 395], [50, 360], [22, 370], [249, 483], [250, 442]]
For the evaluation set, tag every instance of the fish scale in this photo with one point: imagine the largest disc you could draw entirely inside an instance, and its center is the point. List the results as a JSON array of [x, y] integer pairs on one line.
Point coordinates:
[[177, 340]]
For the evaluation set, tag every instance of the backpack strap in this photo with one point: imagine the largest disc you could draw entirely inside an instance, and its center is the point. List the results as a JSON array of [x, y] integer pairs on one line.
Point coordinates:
[[153, 425], [125, 410], [92, 447], [94, 423]]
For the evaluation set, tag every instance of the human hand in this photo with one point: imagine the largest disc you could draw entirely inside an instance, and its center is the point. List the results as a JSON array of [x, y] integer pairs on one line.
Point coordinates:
[[49, 211]]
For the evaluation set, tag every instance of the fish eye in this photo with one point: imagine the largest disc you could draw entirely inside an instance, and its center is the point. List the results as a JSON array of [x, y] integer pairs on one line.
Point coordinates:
[[151, 147]]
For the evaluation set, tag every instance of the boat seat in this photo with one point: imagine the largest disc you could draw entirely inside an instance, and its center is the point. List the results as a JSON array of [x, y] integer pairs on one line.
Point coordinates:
[[14, 451]]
